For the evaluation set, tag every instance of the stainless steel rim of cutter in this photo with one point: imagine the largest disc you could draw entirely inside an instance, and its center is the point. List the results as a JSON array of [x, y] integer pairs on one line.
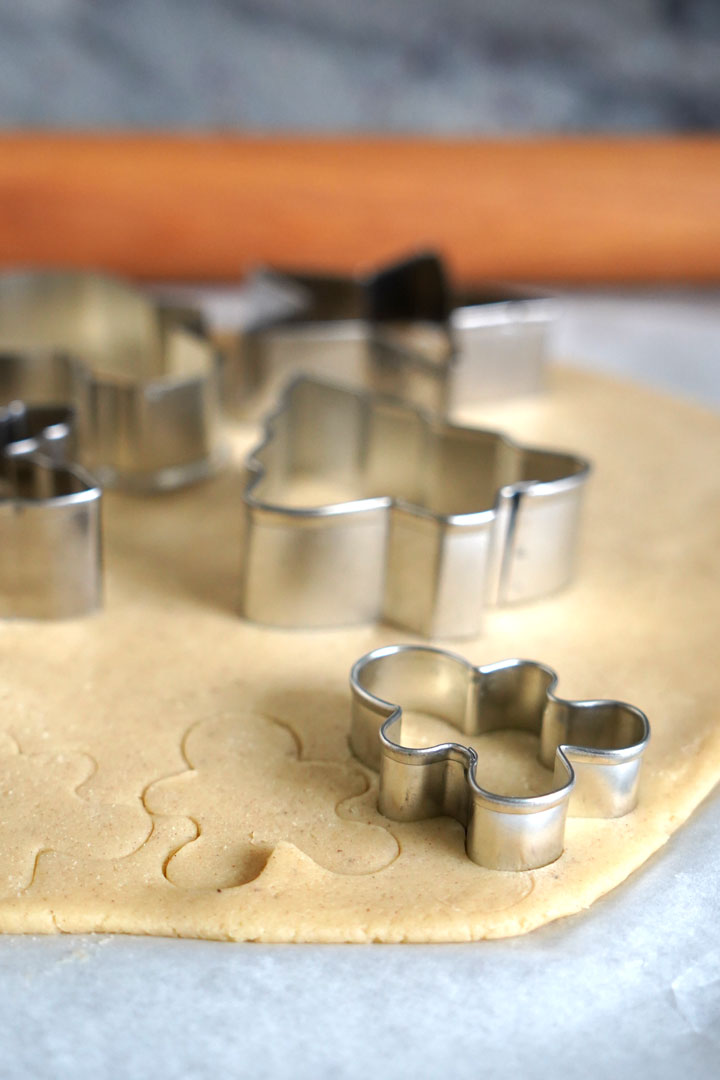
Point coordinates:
[[402, 330], [50, 518], [595, 748], [143, 378], [411, 520]]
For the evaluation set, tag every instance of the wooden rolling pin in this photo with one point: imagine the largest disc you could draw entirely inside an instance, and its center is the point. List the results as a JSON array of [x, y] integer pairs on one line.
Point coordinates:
[[208, 207]]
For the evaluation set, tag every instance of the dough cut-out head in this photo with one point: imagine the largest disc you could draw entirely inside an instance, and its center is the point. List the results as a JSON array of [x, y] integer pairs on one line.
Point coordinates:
[[247, 789]]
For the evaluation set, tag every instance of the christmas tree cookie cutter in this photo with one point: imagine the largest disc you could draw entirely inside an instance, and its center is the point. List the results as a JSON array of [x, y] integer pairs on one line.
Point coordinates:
[[359, 507]]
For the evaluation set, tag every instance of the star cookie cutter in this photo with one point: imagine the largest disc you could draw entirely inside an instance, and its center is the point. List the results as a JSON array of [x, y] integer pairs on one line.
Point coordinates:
[[50, 540], [143, 381], [595, 747], [359, 507], [402, 330]]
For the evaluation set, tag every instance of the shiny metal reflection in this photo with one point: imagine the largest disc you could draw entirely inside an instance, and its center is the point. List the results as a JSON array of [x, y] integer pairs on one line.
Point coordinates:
[[402, 330], [359, 507], [50, 518], [594, 747], [144, 383]]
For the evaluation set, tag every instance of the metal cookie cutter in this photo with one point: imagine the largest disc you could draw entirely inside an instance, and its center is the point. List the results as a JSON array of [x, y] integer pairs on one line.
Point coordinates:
[[359, 507], [144, 383], [595, 747], [50, 544], [402, 330]]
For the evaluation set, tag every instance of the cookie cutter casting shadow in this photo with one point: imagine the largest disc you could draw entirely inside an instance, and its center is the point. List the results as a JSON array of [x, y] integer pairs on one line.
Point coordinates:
[[144, 382], [359, 507], [403, 330], [50, 539], [594, 747]]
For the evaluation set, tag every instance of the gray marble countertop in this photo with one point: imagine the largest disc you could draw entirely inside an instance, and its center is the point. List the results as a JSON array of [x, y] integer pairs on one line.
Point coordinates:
[[411, 65]]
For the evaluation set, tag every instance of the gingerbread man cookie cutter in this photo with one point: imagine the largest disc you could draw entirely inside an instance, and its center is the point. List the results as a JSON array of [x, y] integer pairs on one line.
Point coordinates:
[[142, 378], [408, 519], [595, 748], [403, 330], [50, 523]]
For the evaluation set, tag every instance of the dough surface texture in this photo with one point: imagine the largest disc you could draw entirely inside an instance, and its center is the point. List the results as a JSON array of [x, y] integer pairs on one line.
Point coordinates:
[[168, 768]]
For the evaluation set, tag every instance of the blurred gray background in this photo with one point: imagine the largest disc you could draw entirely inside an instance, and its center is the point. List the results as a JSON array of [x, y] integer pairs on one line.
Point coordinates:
[[465, 66]]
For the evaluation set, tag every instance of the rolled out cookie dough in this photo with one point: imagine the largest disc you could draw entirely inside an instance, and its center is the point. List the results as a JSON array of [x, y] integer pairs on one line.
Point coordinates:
[[167, 768]]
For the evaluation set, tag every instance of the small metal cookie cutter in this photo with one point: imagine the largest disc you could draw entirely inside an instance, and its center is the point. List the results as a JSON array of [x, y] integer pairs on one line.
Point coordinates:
[[50, 542], [403, 330], [359, 507], [595, 747], [143, 380]]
